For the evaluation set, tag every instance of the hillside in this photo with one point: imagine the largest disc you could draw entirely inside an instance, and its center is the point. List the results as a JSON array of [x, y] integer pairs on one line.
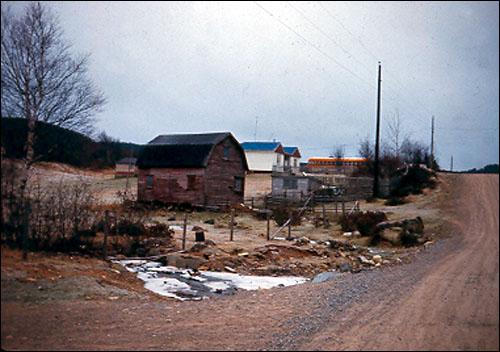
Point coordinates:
[[56, 144]]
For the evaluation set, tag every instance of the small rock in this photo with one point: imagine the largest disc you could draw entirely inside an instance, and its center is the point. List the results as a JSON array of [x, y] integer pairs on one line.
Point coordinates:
[[347, 234], [243, 254], [228, 268], [377, 259], [113, 298]]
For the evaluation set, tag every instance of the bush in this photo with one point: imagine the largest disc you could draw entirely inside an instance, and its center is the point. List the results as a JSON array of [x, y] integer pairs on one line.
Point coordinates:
[[282, 214], [364, 222], [127, 227], [159, 230], [414, 181]]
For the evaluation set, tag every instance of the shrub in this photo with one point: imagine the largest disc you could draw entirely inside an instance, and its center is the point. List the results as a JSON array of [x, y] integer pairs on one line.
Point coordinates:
[[127, 227], [414, 181], [364, 222], [159, 230], [282, 214]]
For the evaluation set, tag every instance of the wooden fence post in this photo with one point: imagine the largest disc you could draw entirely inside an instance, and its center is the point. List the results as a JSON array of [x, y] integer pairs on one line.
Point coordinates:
[[289, 225], [184, 228], [106, 233], [268, 216], [231, 226], [343, 207], [252, 203]]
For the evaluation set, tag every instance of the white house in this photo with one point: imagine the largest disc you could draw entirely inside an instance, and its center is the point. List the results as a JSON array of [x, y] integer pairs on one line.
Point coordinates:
[[264, 156]]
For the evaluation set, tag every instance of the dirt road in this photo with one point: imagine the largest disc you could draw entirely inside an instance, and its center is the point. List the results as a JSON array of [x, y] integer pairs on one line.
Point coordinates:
[[446, 298]]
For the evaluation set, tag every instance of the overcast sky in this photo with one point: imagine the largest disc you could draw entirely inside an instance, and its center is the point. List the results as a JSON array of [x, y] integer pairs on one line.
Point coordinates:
[[306, 70]]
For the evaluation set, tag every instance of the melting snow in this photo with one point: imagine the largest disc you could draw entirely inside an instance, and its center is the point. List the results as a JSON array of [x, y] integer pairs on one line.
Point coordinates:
[[185, 284]]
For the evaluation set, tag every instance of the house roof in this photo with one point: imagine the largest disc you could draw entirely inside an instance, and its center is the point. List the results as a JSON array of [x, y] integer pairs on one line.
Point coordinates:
[[293, 151], [127, 161], [190, 139], [182, 150], [261, 146]]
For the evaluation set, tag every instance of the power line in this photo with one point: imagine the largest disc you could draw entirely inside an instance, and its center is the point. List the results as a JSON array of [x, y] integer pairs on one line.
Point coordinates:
[[328, 36], [312, 44], [388, 72]]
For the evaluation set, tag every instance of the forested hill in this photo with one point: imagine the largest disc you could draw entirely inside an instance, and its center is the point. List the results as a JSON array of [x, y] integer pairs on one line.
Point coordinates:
[[58, 144], [488, 169]]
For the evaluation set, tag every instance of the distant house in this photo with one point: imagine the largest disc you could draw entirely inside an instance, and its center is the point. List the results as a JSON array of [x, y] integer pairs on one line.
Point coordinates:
[[198, 169], [126, 167], [292, 159], [264, 159], [264, 156]]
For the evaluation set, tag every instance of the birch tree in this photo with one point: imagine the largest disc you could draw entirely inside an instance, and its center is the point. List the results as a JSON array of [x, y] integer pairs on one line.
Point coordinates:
[[42, 80]]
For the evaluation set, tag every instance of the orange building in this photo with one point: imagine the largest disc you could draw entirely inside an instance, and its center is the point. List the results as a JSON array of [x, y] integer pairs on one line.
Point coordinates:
[[341, 166]]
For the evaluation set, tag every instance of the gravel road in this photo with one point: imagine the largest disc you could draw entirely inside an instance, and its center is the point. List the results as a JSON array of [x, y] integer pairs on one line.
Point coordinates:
[[447, 298]]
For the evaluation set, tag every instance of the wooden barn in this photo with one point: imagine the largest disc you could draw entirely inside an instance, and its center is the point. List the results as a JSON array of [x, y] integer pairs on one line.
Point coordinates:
[[199, 169]]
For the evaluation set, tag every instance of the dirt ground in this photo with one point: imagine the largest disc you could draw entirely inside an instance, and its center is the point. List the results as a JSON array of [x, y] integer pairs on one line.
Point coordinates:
[[445, 297], [249, 252]]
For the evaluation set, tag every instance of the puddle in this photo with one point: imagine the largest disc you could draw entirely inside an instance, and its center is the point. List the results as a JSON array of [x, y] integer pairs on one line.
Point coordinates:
[[186, 284]]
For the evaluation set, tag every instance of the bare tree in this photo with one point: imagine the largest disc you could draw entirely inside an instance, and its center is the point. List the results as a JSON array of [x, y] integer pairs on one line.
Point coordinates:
[[42, 81], [395, 134], [338, 152], [366, 149]]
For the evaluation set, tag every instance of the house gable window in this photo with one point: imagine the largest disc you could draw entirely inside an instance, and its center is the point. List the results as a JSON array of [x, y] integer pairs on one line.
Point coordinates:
[[149, 181]]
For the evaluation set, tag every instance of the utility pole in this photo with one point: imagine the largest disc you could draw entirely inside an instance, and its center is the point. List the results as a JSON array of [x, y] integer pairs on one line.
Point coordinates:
[[432, 143], [376, 166], [451, 164]]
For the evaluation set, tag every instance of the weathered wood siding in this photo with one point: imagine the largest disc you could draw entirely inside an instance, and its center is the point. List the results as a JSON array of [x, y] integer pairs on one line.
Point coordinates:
[[212, 185], [171, 185], [221, 172]]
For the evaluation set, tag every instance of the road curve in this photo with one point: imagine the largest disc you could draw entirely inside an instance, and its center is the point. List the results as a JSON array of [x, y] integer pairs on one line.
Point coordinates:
[[451, 301]]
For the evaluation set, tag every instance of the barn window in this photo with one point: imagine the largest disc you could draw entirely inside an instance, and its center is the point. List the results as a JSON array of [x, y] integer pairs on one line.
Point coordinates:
[[149, 181], [290, 183], [238, 184], [191, 182]]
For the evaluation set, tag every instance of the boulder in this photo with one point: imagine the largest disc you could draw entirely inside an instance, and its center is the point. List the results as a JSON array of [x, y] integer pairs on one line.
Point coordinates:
[[392, 235], [414, 225], [325, 276]]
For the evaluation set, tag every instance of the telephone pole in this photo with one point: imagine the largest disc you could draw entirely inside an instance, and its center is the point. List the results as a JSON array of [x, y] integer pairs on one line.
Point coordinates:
[[432, 143], [451, 164], [376, 164]]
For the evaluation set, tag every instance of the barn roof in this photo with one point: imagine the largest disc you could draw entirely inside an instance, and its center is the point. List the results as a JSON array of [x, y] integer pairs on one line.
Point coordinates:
[[261, 146], [190, 139], [182, 150]]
